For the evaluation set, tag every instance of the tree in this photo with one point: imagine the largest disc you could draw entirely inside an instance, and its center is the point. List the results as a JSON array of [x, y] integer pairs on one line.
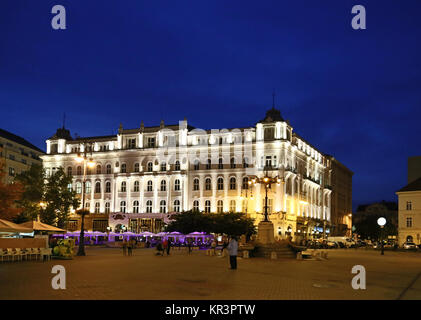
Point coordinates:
[[9, 195], [190, 221], [33, 182]]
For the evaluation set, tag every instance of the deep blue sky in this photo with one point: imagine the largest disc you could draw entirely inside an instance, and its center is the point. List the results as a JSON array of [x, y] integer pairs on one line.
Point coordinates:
[[353, 94]]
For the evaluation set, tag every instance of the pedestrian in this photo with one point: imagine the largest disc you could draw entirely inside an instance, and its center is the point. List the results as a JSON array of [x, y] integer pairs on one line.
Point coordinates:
[[165, 246], [233, 251], [213, 246], [189, 245], [130, 248], [168, 246], [124, 247]]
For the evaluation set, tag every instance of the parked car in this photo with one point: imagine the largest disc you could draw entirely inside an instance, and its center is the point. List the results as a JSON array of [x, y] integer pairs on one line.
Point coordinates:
[[409, 246], [332, 245]]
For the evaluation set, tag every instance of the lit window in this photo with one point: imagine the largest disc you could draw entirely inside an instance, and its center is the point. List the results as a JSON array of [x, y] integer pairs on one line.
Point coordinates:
[[220, 184], [195, 205], [123, 206], [163, 206], [136, 206], [123, 186], [233, 183], [207, 206], [149, 206], [220, 206], [177, 205]]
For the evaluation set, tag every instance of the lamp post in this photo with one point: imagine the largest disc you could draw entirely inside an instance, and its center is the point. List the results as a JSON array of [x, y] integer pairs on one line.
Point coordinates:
[[87, 162], [381, 222]]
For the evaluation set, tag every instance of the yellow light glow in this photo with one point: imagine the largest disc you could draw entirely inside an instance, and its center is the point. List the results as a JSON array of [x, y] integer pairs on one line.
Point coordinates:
[[91, 163], [265, 179], [79, 159]]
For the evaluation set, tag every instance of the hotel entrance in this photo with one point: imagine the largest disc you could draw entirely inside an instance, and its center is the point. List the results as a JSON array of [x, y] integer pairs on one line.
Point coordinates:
[[146, 224]]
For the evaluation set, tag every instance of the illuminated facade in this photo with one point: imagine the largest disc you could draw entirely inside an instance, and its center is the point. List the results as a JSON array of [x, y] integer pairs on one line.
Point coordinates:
[[153, 171]]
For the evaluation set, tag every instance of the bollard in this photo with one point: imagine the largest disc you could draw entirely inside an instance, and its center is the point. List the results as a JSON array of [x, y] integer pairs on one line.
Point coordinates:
[[273, 255]]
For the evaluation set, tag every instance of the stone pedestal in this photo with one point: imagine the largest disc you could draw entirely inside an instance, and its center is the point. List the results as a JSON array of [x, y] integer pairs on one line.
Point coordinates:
[[265, 232]]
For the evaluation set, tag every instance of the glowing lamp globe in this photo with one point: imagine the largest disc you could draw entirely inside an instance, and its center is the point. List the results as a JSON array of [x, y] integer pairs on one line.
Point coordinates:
[[381, 221]]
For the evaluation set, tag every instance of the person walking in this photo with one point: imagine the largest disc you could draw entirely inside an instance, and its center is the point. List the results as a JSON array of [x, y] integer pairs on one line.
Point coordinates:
[[130, 248], [165, 246], [168, 246], [124, 247], [189, 245], [233, 251]]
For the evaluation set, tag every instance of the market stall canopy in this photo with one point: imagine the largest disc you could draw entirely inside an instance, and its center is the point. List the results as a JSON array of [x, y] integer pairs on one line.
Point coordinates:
[[39, 226], [7, 226]]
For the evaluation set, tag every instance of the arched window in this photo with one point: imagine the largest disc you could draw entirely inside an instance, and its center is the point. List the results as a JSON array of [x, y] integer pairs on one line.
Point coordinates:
[[123, 168], [107, 207], [220, 164], [232, 163], [98, 169], [135, 206], [97, 207], [150, 167], [79, 170], [88, 187], [245, 183], [149, 206], [220, 184], [163, 166], [149, 186], [123, 206], [409, 239], [108, 187], [97, 187], [207, 206], [163, 185], [69, 171], [163, 206], [136, 186], [177, 205], [220, 206], [78, 188], [196, 165], [208, 164], [196, 205], [196, 184], [232, 206], [123, 186], [108, 169], [177, 185], [208, 184], [177, 165], [136, 167], [233, 185]]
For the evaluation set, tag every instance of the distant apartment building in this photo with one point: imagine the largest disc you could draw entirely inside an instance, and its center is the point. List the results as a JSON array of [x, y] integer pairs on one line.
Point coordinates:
[[17, 154]]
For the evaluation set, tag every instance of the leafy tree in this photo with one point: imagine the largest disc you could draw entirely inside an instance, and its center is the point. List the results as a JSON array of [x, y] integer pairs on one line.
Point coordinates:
[[190, 221], [9, 195]]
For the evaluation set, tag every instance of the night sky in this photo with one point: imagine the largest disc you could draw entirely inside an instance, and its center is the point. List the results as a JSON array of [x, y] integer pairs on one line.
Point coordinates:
[[353, 94]]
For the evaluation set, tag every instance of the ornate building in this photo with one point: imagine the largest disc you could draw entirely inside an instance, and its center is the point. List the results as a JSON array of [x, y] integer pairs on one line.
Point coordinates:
[[141, 175]]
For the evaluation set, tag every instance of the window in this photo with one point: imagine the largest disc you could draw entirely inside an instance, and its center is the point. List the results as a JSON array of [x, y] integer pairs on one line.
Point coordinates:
[[108, 168], [149, 206], [108, 187], [136, 186], [123, 206], [246, 163], [220, 184], [79, 170], [107, 207], [220, 206], [409, 222], [233, 183], [245, 183], [87, 206], [150, 167], [177, 185], [78, 188], [98, 169], [163, 185], [123, 168], [177, 165], [136, 206], [232, 162], [196, 165], [97, 207], [136, 167], [196, 184], [163, 206], [207, 206], [232, 206], [208, 165], [163, 166], [151, 142], [69, 171], [131, 143], [195, 205], [97, 187], [409, 205], [208, 184], [88, 187], [149, 186], [268, 161], [220, 164], [123, 186], [69, 187], [177, 205]]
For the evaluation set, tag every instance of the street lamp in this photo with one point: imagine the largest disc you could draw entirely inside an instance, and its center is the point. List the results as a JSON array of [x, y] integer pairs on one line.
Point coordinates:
[[87, 163], [381, 222]]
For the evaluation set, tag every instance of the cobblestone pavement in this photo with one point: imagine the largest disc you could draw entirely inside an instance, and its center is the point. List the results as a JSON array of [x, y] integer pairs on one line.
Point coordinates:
[[106, 274]]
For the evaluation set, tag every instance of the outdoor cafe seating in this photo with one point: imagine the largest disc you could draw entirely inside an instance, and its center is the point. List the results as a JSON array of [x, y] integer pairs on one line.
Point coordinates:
[[18, 254]]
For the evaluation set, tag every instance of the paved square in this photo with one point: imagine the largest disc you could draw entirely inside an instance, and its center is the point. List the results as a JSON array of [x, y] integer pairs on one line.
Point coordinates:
[[106, 274]]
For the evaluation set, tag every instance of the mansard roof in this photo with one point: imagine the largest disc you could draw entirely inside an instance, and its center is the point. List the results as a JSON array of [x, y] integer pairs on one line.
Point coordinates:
[[12, 137], [272, 115]]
